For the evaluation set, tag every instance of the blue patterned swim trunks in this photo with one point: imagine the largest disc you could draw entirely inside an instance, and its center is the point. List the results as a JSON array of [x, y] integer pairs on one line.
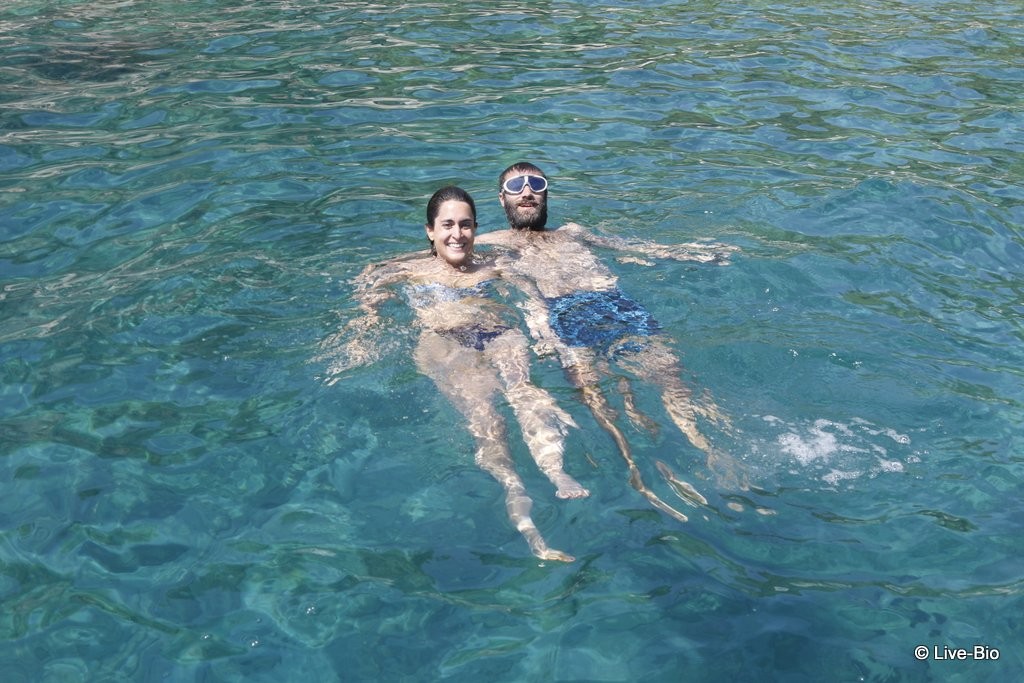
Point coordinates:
[[600, 320]]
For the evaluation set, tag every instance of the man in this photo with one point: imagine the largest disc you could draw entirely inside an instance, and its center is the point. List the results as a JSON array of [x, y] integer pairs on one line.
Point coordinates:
[[578, 311]]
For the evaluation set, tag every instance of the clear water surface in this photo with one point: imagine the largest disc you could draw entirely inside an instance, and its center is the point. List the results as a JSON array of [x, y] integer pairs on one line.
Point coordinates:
[[190, 494]]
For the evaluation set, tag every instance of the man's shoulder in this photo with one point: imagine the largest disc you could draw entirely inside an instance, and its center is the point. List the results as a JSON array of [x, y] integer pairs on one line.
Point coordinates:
[[569, 233], [494, 237], [503, 236]]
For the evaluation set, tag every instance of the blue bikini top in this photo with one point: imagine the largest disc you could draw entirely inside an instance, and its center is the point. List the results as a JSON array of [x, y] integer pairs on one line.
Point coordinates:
[[427, 294]]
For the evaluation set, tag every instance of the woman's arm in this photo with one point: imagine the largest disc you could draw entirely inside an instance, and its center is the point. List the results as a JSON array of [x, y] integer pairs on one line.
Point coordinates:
[[357, 342]]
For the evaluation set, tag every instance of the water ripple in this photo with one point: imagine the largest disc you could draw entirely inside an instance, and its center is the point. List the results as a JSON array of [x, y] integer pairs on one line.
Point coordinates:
[[186, 188]]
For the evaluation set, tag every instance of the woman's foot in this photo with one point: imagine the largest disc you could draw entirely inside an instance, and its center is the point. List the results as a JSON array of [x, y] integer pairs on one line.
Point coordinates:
[[556, 555], [567, 487]]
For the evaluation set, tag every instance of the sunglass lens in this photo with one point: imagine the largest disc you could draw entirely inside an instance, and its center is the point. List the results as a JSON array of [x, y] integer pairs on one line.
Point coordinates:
[[515, 185], [537, 184]]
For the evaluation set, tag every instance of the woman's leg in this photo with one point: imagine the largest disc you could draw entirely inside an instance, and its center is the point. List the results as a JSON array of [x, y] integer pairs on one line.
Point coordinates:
[[470, 385], [543, 422]]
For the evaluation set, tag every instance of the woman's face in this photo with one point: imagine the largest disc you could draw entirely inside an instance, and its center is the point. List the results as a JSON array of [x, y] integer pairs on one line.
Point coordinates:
[[453, 232]]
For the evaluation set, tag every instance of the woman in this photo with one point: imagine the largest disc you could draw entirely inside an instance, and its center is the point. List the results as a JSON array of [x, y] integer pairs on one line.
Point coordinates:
[[471, 347]]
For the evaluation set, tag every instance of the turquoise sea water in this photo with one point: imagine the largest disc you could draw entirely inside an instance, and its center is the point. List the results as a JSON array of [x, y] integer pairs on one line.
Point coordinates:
[[190, 493]]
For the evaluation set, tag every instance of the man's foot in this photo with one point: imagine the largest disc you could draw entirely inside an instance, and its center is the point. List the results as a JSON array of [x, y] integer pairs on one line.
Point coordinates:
[[638, 419], [681, 488]]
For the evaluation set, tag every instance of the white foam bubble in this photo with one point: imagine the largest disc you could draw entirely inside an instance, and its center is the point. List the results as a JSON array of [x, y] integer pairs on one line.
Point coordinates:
[[834, 452], [806, 450], [820, 442], [835, 476]]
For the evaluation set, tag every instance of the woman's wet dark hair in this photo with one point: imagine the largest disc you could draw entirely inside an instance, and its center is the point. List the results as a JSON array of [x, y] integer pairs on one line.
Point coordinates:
[[447, 194]]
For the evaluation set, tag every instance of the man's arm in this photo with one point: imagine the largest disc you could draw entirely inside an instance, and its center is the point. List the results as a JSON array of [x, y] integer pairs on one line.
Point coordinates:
[[702, 252]]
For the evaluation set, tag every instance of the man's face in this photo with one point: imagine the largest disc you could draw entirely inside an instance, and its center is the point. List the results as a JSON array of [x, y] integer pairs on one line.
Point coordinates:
[[527, 210]]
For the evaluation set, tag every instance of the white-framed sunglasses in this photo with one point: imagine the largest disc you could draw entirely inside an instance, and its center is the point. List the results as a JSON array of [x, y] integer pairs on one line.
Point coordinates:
[[516, 184]]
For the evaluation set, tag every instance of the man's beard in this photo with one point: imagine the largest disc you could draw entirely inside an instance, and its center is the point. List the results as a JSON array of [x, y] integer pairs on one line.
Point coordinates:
[[518, 221]]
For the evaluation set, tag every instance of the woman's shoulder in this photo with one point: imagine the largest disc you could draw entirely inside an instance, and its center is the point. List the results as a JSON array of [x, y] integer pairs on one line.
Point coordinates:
[[393, 270]]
